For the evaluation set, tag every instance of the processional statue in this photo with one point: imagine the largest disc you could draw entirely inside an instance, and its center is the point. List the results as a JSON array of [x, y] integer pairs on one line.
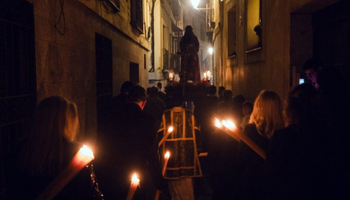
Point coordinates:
[[189, 47]]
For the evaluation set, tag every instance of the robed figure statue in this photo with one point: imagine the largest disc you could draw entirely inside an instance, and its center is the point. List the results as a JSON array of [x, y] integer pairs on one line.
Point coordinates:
[[189, 47]]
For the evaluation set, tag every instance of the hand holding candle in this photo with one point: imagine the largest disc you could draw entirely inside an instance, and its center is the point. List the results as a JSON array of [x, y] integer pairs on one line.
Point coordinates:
[[231, 129], [135, 181], [83, 157]]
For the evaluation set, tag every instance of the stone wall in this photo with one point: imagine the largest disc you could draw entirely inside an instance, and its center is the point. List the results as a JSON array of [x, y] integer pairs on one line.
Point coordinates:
[[66, 63]]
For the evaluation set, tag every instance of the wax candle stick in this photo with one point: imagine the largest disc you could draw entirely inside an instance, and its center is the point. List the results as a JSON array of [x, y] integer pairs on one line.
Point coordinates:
[[83, 157], [135, 181], [170, 130], [166, 159], [232, 130], [224, 127]]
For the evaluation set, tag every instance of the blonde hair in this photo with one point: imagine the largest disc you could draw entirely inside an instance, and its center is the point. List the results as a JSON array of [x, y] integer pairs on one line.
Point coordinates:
[[55, 122], [267, 113]]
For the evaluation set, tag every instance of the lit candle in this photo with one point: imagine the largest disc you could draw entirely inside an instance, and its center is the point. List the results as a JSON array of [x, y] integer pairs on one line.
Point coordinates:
[[208, 75], [227, 126], [171, 76], [218, 123], [135, 181], [83, 157], [166, 159], [232, 130], [170, 130], [205, 76]]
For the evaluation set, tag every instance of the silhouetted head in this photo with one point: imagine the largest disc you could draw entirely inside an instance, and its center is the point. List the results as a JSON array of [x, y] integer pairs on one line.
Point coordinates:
[[247, 108], [212, 90], [137, 94], [227, 95], [303, 107], [127, 85], [221, 90], [188, 28], [159, 85], [311, 68], [153, 91]]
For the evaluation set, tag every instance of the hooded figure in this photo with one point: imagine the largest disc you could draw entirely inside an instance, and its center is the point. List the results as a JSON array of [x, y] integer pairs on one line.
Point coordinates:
[[189, 47]]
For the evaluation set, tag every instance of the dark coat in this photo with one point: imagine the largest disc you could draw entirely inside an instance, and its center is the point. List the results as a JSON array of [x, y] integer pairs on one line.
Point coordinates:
[[251, 165], [127, 145], [296, 165]]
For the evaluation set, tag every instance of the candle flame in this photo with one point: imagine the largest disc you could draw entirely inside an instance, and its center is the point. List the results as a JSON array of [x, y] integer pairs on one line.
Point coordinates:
[[170, 129], [86, 152], [135, 179], [218, 123], [229, 124], [208, 73], [167, 155]]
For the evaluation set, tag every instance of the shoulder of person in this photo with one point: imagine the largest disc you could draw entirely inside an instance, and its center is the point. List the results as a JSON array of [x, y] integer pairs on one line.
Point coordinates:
[[250, 129], [286, 134]]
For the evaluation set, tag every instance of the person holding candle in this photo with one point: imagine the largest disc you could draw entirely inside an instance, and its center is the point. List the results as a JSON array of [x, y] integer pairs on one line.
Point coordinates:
[[296, 165], [48, 149], [265, 120], [127, 146]]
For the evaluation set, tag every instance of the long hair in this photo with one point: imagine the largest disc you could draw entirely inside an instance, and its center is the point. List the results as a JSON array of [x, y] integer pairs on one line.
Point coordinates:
[[267, 113], [55, 122]]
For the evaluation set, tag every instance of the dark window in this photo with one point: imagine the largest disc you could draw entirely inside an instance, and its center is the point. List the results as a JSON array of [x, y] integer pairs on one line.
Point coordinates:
[[103, 76], [134, 72], [137, 15], [17, 77], [111, 5], [165, 59]]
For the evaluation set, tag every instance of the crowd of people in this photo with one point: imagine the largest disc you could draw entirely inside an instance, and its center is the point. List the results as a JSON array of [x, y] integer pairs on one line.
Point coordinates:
[[305, 138]]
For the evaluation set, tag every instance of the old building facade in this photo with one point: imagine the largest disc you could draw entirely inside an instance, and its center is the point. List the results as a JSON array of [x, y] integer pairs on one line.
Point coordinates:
[[82, 50], [263, 44]]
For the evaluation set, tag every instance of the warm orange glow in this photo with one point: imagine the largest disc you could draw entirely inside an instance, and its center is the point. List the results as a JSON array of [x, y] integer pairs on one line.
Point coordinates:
[[84, 156], [229, 124], [165, 164], [135, 180], [170, 129], [87, 152], [171, 76], [167, 155], [78, 162], [208, 74], [218, 123]]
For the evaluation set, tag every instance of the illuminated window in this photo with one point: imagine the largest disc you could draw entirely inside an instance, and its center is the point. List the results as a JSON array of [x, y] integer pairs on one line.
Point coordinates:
[[253, 25]]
